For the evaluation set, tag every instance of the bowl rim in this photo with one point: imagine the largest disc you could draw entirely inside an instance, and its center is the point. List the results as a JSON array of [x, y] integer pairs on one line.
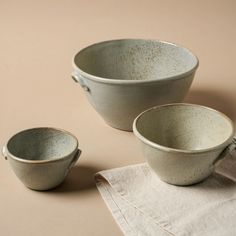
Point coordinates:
[[121, 81], [175, 150], [42, 161]]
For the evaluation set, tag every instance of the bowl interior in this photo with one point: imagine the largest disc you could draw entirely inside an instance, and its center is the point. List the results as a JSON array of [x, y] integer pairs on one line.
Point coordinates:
[[185, 127], [131, 59], [42, 144]]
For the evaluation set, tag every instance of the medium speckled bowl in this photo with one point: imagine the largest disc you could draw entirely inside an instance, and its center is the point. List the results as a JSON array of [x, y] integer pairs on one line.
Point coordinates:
[[124, 77], [183, 142], [42, 157]]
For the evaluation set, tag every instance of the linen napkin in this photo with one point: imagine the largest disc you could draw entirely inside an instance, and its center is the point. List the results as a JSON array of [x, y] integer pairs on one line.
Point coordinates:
[[144, 205]]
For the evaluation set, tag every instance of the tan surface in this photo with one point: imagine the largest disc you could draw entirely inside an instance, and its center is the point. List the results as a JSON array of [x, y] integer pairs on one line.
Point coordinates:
[[37, 42]]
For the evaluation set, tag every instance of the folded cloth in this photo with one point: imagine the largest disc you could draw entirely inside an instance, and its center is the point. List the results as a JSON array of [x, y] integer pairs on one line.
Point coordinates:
[[144, 205]]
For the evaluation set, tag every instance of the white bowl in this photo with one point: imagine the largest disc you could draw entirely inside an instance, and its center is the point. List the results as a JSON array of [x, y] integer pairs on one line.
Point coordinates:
[[42, 157], [183, 142], [124, 77]]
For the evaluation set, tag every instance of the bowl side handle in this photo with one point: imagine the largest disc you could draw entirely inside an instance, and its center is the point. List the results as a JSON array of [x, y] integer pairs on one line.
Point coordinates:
[[230, 149], [75, 159], [79, 79], [4, 152]]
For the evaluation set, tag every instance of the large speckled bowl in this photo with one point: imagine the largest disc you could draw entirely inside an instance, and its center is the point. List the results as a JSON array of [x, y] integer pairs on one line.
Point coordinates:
[[124, 77], [42, 157], [183, 142]]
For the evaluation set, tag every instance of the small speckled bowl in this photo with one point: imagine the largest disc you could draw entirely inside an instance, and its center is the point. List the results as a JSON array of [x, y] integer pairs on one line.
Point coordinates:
[[183, 142], [122, 78], [42, 157]]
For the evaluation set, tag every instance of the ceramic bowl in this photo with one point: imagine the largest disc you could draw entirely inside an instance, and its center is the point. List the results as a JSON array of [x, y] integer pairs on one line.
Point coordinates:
[[42, 157], [183, 142], [124, 77]]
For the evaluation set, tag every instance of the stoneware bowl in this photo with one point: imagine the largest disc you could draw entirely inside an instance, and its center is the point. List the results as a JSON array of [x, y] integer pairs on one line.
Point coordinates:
[[183, 142], [42, 157], [124, 77]]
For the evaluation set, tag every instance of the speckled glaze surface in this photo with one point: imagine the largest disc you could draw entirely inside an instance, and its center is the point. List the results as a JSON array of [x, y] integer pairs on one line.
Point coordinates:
[[124, 77], [42, 157], [183, 142]]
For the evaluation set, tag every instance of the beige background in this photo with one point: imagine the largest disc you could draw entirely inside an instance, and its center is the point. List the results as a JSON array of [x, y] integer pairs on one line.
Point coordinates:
[[37, 42]]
